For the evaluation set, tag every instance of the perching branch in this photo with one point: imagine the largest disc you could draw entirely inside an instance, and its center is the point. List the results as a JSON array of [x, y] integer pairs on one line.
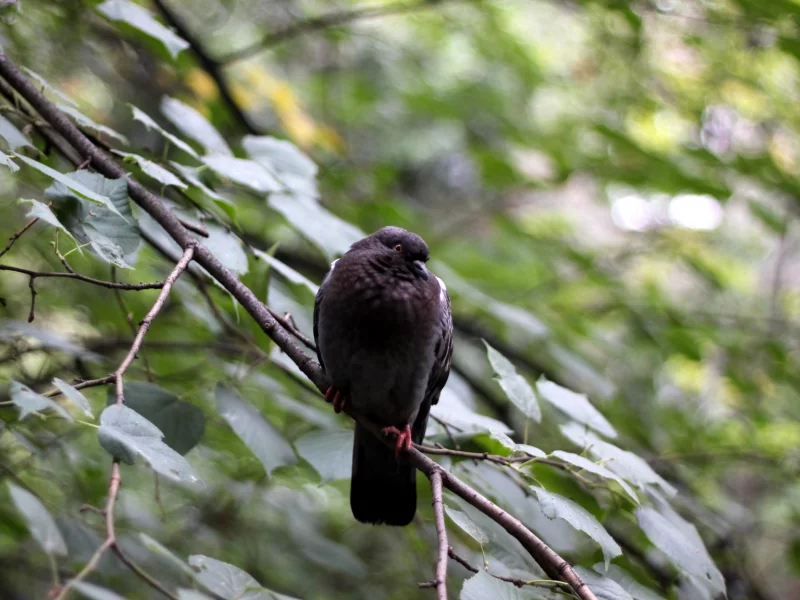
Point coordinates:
[[86, 279], [555, 566]]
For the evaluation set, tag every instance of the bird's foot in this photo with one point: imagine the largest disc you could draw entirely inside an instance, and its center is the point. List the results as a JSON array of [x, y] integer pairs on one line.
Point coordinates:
[[403, 438], [337, 397]]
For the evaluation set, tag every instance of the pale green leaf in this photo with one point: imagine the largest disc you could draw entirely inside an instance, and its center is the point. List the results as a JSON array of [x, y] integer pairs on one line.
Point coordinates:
[[286, 271], [626, 581], [587, 465], [157, 548], [6, 161], [226, 580], [94, 592], [330, 452], [141, 19], [152, 169], [13, 136], [603, 587], [194, 126], [47, 87], [575, 406], [483, 586], [149, 123], [516, 387], [452, 410], [41, 211], [87, 123], [41, 525], [467, 525], [30, 402], [243, 171], [74, 396]]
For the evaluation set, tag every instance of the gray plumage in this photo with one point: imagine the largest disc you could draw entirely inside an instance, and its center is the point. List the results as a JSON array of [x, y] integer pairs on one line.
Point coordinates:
[[383, 330]]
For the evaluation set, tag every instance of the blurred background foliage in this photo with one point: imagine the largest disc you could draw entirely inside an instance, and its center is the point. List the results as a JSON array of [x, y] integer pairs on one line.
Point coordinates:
[[608, 188]]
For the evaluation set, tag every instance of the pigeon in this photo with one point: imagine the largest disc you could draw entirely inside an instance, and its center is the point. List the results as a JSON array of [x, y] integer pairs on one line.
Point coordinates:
[[384, 335]]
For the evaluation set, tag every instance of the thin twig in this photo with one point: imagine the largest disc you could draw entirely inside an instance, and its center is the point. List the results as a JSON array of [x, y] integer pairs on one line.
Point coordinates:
[[198, 229], [129, 320], [441, 535], [18, 235], [291, 328], [32, 286], [512, 580], [106, 284]]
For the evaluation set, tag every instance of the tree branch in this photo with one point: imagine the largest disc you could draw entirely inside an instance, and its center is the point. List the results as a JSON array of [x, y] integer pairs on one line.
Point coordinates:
[[441, 535], [18, 234], [106, 284], [555, 566]]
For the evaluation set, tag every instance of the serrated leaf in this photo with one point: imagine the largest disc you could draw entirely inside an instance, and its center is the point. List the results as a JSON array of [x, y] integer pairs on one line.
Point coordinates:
[[626, 581], [243, 171], [555, 506], [467, 525], [141, 19], [254, 430], [87, 123], [6, 161], [627, 465], [41, 211], [125, 434], [94, 592], [74, 396], [329, 233], [226, 580], [30, 402], [483, 586], [149, 123], [584, 463], [181, 423], [452, 410], [152, 169], [112, 235], [516, 387], [164, 552], [41, 525], [228, 249], [13, 136], [684, 547], [575, 406], [194, 126], [286, 271], [603, 587], [330, 452], [72, 183]]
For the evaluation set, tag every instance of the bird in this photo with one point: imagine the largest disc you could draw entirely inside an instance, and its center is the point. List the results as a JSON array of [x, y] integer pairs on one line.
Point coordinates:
[[384, 335]]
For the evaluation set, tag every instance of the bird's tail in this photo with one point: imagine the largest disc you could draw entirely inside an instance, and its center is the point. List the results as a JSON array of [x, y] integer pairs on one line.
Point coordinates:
[[383, 489]]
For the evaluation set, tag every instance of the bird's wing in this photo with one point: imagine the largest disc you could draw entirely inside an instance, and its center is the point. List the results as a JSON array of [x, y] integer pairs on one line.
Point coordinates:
[[443, 357], [317, 304]]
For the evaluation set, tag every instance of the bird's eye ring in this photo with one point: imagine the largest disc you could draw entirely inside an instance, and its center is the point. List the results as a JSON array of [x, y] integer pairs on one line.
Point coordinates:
[[398, 248]]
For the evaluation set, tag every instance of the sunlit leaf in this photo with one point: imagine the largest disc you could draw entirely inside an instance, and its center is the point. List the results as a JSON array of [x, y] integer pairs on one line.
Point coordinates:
[[483, 586], [6, 161], [40, 523], [585, 464], [226, 580], [254, 430], [152, 169], [30, 402], [451, 409], [628, 583], [141, 19], [87, 123], [74, 396], [467, 525], [194, 125], [575, 406], [157, 548], [557, 507], [243, 171], [286, 271], [515, 386], [149, 123], [228, 249], [125, 434], [330, 452], [13, 136], [94, 592], [42, 212], [603, 587]]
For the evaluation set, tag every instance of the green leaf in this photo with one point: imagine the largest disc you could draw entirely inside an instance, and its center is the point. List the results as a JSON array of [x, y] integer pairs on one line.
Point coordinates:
[[41, 211], [243, 171], [483, 586], [13, 136], [152, 169], [627, 465], [515, 386], [228, 249], [557, 507], [6, 161], [74, 396], [286, 271], [283, 159], [603, 587], [111, 235], [41, 525], [227, 581], [94, 592], [165, 553], [87, 123], [50, 89], [329, 233], [584, 463], [185, 594], [330, 452], [255, 431], [74, 182], [680, 541], [181, 423], [576, 406], [530, 450], [628, 583], [452, 410], [192, 175], [125, 434], [467, 525], [141, 19], [149, 123], [30, 402], [194, 126]]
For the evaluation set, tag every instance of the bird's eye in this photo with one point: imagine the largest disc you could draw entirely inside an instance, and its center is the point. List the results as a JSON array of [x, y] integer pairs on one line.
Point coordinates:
[[398, 248]]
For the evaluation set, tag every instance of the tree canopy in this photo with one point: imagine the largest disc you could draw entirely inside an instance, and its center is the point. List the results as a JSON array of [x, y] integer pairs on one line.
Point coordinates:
[[608, 190]]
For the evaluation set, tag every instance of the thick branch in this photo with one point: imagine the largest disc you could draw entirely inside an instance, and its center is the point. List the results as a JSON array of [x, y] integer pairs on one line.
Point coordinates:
[[555, 566]]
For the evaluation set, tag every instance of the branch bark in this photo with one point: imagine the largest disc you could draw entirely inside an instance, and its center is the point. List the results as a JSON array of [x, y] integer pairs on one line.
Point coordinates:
[[553, 564]]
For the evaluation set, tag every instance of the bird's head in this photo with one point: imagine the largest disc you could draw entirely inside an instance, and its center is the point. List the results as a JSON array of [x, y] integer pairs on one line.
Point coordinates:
[[403, 247]]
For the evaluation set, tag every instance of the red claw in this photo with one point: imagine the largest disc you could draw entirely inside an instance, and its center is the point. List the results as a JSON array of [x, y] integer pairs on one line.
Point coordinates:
[[403, 438], [338, 399]]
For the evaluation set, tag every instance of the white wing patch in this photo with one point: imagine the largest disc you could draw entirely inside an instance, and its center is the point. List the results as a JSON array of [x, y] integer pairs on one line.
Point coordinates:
[[333, 265], [442, 290]]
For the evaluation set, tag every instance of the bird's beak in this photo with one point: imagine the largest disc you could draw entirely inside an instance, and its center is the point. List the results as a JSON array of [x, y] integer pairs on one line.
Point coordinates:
[[420, 269]]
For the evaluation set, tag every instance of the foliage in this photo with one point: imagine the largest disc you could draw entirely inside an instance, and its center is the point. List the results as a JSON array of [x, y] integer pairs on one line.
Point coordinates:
[[608, 190]]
